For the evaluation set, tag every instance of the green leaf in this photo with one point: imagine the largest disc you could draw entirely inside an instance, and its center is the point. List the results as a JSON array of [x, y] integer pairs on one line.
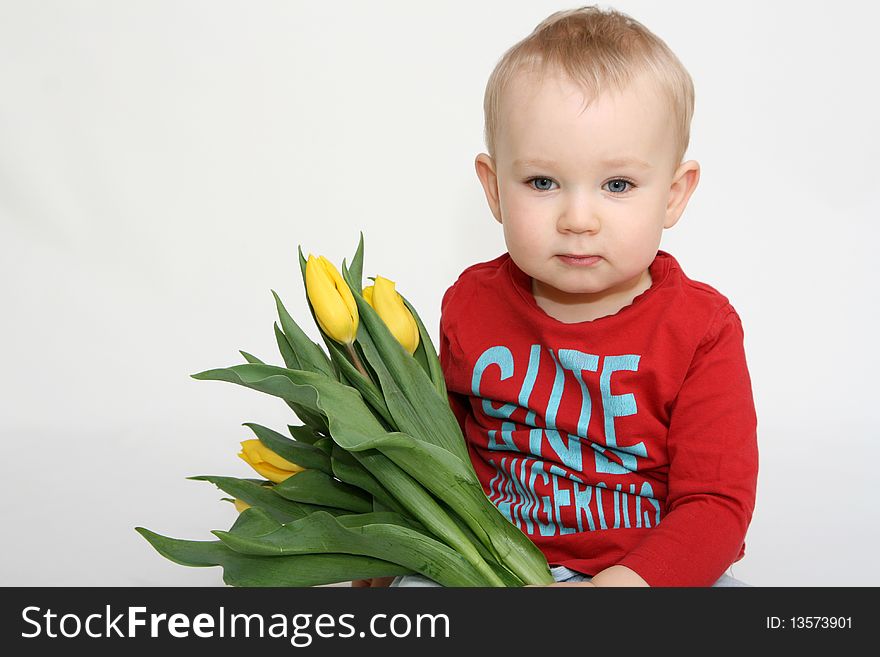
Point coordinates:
[[421, 357], [503, 573], [277, 381], [302, 454], [325, 444], [254, 522], [428, 354], [304, 434], [244, 570], [347, 468], [368, 389], [355, 520], [406, 417], [316, 487], [302, 265], [303, 405], [419, 504], [310, 355], [357, 263], [292, 361], [263, 497], [249, 358], [287, 353], [320, 533], [313, 420]]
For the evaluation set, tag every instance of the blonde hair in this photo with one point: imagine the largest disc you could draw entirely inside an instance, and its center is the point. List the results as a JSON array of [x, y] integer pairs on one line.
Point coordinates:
[[602, 51]]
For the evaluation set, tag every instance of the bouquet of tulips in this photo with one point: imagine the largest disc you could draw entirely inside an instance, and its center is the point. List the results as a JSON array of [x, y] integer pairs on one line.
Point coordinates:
[[377, 480]]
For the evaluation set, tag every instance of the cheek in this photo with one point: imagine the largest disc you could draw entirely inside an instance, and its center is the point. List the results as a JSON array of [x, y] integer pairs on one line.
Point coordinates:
[[521, 218], [521, 233], [646, 229]]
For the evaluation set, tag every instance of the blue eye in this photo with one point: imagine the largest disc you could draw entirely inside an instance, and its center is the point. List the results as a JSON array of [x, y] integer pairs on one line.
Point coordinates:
[[620, 180], [541, 179]]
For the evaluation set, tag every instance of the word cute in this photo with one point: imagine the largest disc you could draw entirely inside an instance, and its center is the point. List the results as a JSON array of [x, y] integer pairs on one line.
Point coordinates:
[[576, 363]]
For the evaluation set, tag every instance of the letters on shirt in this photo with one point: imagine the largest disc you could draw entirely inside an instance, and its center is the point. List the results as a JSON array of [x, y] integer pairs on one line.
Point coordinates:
[[530, 487]]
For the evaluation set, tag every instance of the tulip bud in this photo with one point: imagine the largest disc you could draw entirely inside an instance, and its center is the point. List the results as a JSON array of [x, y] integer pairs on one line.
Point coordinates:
[[266, 462], [334, 305], [241, 505], [389, 305]]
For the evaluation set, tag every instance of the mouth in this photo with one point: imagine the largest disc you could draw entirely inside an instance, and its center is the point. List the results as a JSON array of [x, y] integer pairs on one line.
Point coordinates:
[[579, 259]]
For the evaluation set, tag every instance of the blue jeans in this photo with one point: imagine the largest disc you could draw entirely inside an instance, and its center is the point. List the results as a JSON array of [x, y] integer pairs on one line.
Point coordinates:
[[560, 574]]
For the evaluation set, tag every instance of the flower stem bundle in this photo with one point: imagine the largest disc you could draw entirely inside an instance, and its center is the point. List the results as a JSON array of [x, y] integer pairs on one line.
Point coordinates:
[[377, 480]]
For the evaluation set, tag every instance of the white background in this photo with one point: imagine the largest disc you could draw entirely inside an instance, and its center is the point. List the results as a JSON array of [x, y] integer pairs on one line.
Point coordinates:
[[161, 161]]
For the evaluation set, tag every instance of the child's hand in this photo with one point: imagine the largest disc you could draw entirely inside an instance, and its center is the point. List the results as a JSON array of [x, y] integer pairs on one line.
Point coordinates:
[[371, 583]]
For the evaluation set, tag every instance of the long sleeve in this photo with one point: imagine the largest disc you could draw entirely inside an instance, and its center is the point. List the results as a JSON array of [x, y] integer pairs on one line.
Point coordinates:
[[713, 467]]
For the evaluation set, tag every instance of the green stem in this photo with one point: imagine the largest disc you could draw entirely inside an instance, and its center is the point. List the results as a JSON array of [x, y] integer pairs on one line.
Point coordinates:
[[357, 361]]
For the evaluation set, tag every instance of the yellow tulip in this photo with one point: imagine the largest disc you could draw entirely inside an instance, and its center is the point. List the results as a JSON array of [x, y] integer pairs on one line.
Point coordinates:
[[241, 505], [389, 305], [334, 305], [266, 462]]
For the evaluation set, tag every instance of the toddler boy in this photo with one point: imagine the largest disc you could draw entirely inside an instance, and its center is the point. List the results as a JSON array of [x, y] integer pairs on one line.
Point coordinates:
[[603, 394]]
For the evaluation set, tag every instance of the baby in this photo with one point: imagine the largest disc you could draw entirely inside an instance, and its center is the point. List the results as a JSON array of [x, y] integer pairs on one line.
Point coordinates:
[[603, 394]]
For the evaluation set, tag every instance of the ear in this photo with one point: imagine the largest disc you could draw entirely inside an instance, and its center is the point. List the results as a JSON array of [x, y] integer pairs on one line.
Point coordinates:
[[486, 172], [684, 182]]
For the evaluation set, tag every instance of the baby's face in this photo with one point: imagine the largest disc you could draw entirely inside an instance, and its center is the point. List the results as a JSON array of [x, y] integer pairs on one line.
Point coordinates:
[[574, 183]]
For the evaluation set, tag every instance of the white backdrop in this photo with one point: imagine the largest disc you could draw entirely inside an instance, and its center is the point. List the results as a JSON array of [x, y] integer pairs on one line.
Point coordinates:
[[161, 161]]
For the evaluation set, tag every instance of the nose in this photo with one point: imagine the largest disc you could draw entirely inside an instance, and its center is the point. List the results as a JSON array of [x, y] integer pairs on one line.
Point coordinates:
[[578, 216]]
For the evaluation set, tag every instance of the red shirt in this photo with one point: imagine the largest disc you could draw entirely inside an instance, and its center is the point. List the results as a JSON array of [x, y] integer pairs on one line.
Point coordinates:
[[629, 439]]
